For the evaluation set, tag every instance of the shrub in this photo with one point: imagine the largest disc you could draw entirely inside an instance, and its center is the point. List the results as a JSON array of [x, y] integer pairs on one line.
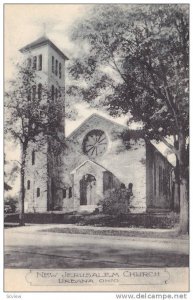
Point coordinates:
[[115, 202], [12, 202]]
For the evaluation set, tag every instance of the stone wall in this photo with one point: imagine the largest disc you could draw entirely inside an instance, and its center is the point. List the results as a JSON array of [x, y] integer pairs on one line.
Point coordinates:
[[159, 180], [97, 172], [37, 175], [45, 173]]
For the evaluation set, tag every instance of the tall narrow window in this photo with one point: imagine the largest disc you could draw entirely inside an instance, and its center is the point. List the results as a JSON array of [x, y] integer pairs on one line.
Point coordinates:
[[60, 70], [52, 64], [169, 182], [56, 68], [165, 183], [39, 91], [56, 93], [33, 157], [28, 184], [64, 193], [29, 95], [52, 92], [35, 62], [70, 192], [162, 183], [154, 177], [160, 180], [29, 62], [40, 62], [38, 192], [33, 91]]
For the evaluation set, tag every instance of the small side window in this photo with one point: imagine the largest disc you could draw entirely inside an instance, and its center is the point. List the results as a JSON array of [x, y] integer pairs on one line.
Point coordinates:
[[34, 92], [38, 192], [40, 62], [52, 92], [29, 95], [28, 184], [35, 62], [52, 64], [29, 62], [56, 93], [64, 193], [33, 157], [70, 192], [60, 70], [56, 68], [39, 91]]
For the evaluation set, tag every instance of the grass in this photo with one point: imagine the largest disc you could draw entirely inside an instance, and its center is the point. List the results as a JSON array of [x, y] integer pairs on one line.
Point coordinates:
[[145, 220]]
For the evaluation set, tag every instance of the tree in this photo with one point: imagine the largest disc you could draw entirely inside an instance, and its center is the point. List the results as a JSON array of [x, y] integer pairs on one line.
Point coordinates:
[[10, 173], [134, 59], [32, 116], [7, 187]]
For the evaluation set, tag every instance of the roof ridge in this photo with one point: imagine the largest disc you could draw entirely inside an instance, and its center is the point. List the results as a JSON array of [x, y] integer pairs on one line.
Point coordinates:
[[89, 161], [88, 118], [162, 153], [41, 41]]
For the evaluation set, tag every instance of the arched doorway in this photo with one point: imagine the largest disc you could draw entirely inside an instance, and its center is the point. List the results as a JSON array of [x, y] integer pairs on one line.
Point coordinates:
[[87, 190]]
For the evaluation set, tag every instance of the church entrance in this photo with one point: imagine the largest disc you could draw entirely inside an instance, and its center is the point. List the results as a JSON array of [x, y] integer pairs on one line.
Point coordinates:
[[87, 190]]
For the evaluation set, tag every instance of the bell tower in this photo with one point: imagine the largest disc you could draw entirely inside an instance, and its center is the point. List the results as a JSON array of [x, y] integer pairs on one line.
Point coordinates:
[[42, 167]]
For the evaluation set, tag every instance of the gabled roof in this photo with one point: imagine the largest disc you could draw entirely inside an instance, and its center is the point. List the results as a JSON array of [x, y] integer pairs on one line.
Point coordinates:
[[40, 42], [135, 133], [91, 162], [165, 152], [95, 115]]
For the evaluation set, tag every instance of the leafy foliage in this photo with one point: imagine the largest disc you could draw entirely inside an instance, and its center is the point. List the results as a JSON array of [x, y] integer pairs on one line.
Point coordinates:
[[34, 116], [136, 61], [115, 202], [12, 203], [11, 170], [31, 113]]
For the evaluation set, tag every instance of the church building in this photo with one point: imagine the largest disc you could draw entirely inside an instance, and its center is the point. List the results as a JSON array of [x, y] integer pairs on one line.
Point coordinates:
[[99, 155]]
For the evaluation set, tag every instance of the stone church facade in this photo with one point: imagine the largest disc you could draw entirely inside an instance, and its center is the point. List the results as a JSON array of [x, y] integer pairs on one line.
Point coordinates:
[[96, 148], [96, 158]]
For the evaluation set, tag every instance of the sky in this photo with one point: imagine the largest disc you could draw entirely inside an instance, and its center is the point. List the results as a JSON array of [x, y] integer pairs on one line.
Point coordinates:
[[25, 23]]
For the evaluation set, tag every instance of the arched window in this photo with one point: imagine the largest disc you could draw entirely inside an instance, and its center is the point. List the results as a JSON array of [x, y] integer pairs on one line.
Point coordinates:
[[38, 192], [52, 92], [28, 184], [33, 157], [39, 91]]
